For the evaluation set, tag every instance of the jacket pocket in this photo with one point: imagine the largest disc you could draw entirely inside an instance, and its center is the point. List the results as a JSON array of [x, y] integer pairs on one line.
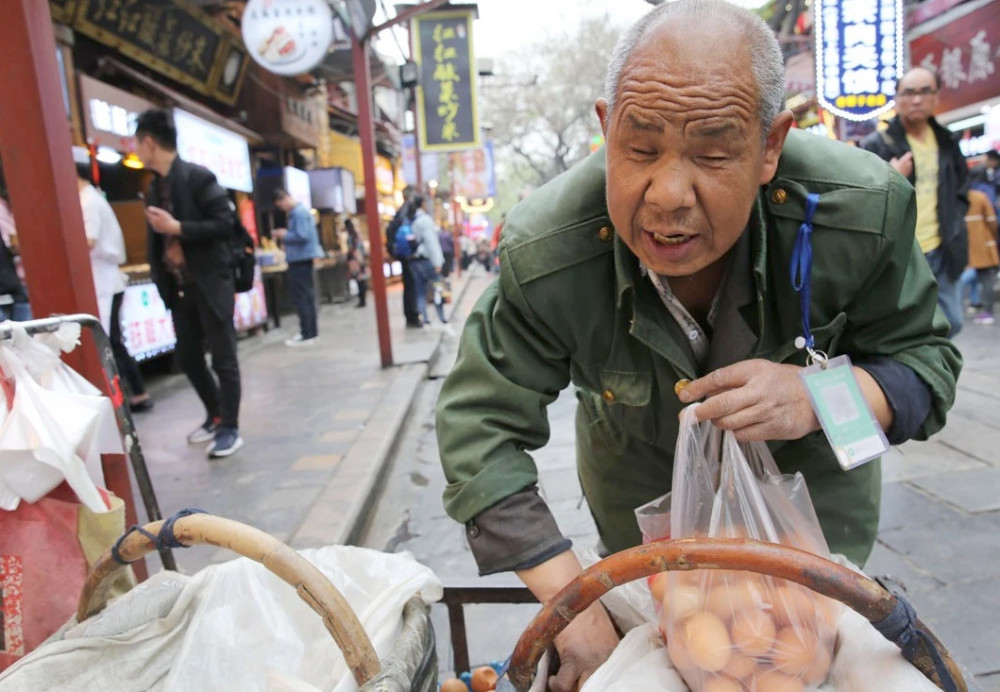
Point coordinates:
[[826, 337], [624, 403]]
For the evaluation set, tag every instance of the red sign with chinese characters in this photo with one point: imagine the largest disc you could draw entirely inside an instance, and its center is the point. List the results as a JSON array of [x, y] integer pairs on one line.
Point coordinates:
[[965, 53]]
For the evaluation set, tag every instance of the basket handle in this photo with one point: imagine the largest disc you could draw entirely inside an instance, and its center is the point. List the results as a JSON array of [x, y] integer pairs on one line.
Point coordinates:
[[816, 573], [311, 584]]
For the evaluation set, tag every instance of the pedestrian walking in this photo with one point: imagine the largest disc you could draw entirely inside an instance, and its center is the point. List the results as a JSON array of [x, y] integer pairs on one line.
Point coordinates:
[[927, 155], [427, 259], [301, 248], [357, 261], [981, 222], [107, 254], [192, 226], [403, 214], [655, 273]]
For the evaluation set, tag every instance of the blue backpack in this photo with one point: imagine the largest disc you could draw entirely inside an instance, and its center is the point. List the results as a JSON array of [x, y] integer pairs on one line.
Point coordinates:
[[405, 243]]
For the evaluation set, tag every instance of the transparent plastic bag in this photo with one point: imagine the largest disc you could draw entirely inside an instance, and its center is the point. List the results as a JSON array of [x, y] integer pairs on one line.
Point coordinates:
[[730, 631]]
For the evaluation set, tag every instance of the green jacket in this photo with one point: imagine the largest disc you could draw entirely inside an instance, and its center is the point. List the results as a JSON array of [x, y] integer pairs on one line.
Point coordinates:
[[570, 305]]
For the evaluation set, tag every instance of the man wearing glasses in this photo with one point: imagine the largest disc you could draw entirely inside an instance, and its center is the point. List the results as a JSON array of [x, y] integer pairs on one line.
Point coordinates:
[[928, 156]]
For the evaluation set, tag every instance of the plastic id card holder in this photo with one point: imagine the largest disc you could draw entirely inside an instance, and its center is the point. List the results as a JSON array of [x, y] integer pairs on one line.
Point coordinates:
[[847, 420]]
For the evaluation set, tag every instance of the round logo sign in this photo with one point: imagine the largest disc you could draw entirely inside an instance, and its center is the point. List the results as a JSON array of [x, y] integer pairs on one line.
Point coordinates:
[[288, 37]]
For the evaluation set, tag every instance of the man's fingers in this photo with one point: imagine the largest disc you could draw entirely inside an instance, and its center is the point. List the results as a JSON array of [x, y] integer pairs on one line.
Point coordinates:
[[761, 432], [726, 404], [741, 419], [716, 381], [567, 677]]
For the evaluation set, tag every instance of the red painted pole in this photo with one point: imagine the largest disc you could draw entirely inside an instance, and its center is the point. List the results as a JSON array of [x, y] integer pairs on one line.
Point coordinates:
[[366, 131], [38, 163]]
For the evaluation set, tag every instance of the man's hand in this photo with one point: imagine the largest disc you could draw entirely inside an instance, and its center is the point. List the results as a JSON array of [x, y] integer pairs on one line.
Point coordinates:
[[903, 164], [162, 222], [279, 233], [757, 399], [583, 646]]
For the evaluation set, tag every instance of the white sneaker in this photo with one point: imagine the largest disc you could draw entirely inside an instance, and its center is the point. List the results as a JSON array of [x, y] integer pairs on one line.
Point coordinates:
[[300, 342]]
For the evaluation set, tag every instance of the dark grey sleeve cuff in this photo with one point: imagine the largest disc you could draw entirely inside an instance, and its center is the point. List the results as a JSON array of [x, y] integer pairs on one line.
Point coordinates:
[[519, 532], [907, 394]]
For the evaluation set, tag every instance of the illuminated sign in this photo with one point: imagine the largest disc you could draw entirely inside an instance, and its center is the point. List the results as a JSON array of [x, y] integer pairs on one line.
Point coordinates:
[[287, 37], [223, 152], [147, 328], [446, 97], [859, 55]]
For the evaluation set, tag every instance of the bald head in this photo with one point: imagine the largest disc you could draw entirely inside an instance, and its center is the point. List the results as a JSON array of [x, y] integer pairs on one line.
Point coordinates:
[[917, 97], [718, 24]]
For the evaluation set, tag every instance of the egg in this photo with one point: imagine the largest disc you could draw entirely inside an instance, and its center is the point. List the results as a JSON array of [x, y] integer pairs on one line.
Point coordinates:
[[453, 685], [794, 650], [707, 641], [484, 679], [658, 586], [740, 666], [773, 681], [793, 604], [819, 668], [717, 683], [753, 632], [681, 601], [679, 655], [728, 599]]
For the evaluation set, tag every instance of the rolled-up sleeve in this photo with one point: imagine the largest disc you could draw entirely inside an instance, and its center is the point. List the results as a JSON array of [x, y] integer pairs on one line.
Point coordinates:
[[491, 413]]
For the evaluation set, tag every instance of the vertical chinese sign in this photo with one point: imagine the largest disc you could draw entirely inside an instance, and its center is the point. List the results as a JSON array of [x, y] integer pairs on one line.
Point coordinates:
[[965, 54], [446, 97], [859, 56]]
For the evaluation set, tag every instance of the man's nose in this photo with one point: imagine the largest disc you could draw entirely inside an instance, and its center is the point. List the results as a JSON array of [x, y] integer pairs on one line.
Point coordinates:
[[671, 187]]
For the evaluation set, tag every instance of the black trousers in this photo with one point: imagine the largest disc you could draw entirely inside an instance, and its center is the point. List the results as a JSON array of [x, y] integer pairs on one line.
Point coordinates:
[[126, 364], [303, 293], [409, 295], [196, 326]]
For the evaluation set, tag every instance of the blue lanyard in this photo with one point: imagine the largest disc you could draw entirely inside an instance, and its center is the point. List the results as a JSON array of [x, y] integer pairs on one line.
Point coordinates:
[[801, 269]]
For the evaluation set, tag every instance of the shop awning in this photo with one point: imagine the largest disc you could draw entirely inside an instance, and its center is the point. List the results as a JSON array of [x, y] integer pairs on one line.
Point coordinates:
[[107, 64]]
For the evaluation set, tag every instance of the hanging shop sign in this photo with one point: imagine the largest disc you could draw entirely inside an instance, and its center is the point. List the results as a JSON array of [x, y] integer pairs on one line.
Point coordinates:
[[446, 96], [859, 55], [223, 152], [173, 38], [288, 37], [965, 54], [473, 170], [109, 114]]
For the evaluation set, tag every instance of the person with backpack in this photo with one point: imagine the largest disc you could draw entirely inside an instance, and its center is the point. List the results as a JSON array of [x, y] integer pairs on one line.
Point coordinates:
[[301, 248], [427, 259], [391, 232], [190, 251]]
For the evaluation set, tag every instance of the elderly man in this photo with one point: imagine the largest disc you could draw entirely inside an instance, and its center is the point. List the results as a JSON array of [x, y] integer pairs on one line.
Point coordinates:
[[665, 257], [928, 156]]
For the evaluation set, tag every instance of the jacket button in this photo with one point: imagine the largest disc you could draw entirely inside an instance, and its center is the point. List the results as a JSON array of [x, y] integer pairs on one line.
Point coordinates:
[[609, 396], [606, 233], [779, 196], [681, 384]]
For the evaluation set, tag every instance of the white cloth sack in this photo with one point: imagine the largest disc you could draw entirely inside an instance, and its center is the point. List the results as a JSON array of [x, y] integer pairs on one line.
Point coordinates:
[[640, 661], [232, 626]]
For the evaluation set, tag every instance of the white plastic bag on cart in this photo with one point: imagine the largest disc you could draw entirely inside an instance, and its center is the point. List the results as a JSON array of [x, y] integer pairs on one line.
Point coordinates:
[[232, 626], [55, 427]]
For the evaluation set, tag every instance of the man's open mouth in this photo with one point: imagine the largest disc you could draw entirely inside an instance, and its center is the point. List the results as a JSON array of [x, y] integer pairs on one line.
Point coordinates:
[[670, 238]]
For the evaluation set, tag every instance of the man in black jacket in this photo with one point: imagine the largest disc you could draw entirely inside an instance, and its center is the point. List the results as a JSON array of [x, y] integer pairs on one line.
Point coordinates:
[[191, 228], [928, 156]]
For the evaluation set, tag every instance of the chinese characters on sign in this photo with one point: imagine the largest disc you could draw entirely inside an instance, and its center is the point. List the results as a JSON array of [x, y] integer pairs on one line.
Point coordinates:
[[859, 55], [172, 38], [446, 96], [146, 324], [965, 53], [109, 114], [287, 37], [223, 152]]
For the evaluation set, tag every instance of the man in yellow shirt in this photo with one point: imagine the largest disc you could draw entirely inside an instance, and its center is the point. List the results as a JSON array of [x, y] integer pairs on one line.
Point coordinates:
[[928, 156]]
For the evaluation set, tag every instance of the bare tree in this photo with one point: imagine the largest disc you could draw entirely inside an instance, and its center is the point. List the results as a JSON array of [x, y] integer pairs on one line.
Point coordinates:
[[540, 104]]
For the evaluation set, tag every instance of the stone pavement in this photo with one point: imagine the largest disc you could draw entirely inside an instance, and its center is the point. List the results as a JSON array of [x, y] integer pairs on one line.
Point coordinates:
[[939, 535], [318, 424]]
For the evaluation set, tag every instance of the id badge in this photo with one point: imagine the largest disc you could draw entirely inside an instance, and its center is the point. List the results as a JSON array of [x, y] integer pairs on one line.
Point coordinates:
[[847, 419]]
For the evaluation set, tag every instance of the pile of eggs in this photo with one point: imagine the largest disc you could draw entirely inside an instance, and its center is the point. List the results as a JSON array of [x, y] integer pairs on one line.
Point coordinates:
[[737, 631], [482, 679]]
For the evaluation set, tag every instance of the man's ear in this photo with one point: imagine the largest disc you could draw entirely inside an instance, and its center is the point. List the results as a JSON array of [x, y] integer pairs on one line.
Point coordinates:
[[774, 143], [601, 108]]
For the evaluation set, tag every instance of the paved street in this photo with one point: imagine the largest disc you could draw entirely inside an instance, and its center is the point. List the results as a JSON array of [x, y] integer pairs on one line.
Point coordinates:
[[938, 535]]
